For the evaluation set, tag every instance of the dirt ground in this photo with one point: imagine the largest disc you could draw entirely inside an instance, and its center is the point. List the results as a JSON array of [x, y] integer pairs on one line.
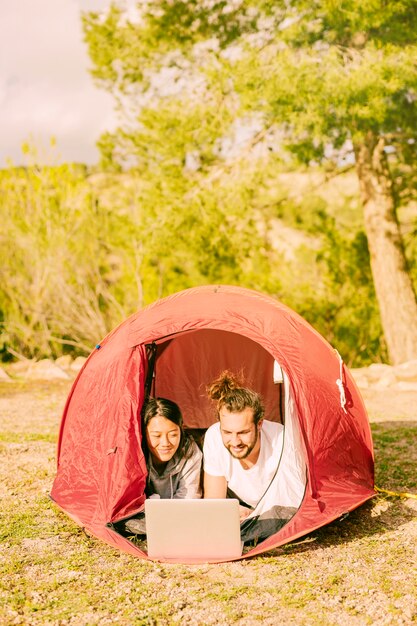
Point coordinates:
[[362, 573]]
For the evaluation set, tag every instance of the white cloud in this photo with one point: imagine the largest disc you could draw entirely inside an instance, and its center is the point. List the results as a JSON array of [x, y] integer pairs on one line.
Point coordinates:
[[45, 87]]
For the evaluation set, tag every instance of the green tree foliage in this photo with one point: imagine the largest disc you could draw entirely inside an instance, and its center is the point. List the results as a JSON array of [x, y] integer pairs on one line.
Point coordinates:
[[53, 286], [328, 82], [345, 308], [226, 106], [331, 71], [88, 250], [327, 277]]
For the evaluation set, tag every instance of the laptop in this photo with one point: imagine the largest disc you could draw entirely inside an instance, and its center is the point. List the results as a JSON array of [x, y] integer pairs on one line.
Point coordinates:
[[193, 529]]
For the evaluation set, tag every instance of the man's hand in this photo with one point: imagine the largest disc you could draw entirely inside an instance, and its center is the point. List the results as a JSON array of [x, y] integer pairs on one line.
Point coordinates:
[[244, 512]]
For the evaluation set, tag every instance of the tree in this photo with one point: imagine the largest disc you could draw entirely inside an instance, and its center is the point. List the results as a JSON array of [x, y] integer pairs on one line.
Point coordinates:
[[90, 249], [346, 80], [332, 83]]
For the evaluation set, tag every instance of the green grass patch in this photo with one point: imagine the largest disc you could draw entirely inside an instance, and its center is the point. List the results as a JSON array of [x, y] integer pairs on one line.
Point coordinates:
[[395, 456], [13, 437], [36, 388]]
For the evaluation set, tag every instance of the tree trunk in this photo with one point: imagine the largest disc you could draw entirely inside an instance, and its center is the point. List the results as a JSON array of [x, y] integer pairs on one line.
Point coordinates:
[[393, 286]]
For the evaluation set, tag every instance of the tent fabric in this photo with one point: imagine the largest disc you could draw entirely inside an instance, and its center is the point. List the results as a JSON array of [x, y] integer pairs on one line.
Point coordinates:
[[206, 353], [196, 333]]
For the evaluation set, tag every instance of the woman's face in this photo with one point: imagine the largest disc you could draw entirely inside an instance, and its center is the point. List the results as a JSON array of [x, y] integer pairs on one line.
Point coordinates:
[[163, 438]]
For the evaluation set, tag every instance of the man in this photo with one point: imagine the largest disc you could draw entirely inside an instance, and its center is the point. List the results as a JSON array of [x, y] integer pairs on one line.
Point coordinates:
[[242, 451]]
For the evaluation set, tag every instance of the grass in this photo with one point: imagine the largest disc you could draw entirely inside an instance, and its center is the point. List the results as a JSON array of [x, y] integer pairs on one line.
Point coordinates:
[[396, 453], [13, 437], [355, 572]]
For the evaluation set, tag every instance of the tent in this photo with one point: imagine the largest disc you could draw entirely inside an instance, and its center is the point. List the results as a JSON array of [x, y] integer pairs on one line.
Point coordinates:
[[175, 347]]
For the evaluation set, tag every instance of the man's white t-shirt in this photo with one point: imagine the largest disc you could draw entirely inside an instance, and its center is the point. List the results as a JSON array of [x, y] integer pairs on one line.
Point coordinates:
[[248, 484]]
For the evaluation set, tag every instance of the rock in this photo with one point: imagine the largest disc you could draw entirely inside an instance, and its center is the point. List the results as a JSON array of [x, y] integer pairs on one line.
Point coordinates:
[[20, 367], [377, 370], [382, 376], [45, 370], [403, 385], [387, 380], [406, 371], [78, 363]]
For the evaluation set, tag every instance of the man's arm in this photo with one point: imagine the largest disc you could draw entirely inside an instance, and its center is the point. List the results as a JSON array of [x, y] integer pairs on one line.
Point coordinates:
[[214, 486]]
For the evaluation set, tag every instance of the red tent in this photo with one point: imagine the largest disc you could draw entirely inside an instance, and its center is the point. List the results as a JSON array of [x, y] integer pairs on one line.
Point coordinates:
[[181, 343]]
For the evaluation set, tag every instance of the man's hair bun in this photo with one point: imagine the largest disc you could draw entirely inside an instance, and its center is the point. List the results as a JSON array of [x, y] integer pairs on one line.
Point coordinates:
[[223, 385], [228, 391]]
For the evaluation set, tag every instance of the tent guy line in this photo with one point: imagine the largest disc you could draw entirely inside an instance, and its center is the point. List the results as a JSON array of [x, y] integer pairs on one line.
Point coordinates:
[[396, 494]]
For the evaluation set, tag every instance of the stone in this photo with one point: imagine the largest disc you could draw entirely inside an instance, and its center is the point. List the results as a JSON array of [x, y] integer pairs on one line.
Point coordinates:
[[403, 385], [45, 370], [386, 380], [406, 371], [377, 370], [78, 363], [20, 367]]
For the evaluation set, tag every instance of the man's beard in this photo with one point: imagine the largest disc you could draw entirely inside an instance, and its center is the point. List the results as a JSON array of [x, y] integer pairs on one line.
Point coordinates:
[[245, 449]]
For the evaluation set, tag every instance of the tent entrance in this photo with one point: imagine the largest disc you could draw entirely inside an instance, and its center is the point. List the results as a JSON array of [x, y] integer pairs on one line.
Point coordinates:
[[185, 364], [180, 368], [183, 367]]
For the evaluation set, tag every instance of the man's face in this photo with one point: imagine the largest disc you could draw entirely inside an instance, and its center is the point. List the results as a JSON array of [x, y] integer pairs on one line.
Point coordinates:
[[239, 433]]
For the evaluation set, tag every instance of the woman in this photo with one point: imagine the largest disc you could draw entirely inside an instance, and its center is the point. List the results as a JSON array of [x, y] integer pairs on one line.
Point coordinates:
[[173, 458]]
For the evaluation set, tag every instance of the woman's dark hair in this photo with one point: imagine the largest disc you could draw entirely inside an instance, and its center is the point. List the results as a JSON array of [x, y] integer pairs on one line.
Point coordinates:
[[228, 391], [162, 407]]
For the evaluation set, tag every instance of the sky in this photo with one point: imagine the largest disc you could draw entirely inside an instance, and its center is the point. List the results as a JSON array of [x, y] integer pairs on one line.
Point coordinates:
[[45, 87]]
